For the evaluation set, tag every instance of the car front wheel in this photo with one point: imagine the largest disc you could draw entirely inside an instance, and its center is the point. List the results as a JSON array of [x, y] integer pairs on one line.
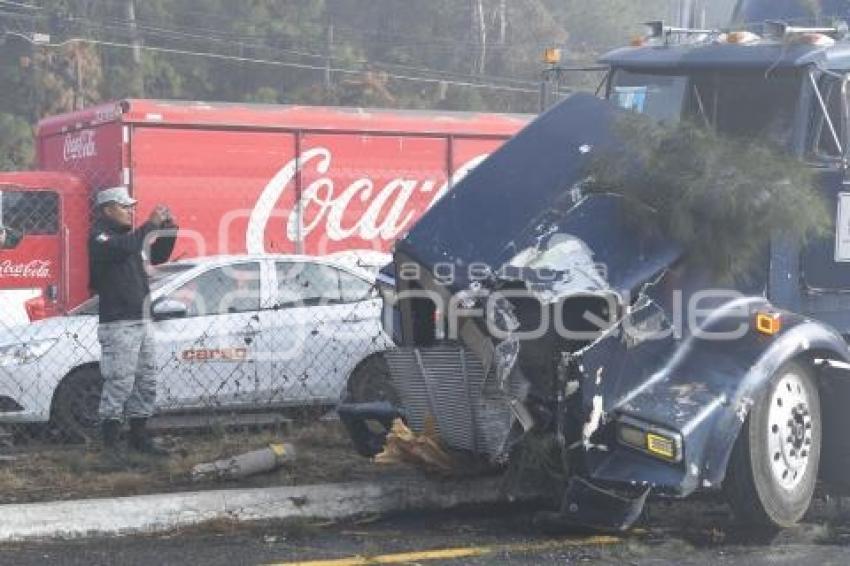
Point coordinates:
[[774, 465], [74, 415]]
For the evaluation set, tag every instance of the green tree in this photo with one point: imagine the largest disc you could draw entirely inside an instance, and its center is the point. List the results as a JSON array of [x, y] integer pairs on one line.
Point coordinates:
[[379, 52], [16, 146]]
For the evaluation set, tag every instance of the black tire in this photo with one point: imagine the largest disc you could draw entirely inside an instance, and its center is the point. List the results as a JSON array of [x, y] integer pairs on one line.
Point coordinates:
[[73, 415], [370, 382], [760, 493]]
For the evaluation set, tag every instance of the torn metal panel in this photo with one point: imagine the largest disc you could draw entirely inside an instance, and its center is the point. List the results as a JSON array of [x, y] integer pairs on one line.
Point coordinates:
[[587, 505], [542, 163]]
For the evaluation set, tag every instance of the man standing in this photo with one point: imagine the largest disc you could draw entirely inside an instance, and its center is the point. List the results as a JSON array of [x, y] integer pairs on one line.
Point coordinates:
[[117, 273]]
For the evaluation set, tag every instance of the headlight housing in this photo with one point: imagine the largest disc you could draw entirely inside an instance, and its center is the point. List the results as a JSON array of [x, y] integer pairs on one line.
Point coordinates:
[[20, 354], [650, 439]]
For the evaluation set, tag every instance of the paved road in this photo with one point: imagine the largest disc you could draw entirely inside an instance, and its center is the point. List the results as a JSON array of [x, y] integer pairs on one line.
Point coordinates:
[[692, 533]]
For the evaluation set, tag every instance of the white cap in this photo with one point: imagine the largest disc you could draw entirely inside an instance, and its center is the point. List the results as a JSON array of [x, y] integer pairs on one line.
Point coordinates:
[[115, 194]]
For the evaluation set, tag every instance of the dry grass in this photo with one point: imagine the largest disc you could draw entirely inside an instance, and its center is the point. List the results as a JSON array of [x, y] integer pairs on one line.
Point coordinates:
[[53, 472]]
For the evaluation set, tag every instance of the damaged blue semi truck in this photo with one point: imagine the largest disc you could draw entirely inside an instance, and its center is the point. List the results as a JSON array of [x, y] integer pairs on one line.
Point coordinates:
[[640, 403]]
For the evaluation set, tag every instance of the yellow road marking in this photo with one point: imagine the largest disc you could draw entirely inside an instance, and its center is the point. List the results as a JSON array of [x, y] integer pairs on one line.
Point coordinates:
[[457, 553]]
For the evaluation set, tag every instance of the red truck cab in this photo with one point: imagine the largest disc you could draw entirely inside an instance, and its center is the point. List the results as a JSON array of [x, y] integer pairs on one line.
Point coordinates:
[[45, 271]]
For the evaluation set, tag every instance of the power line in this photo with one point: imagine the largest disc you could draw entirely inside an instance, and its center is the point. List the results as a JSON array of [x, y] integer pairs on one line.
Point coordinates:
[[162, 32], [178, 34], [226, 38], [285, 64], [443, 76], [444, 41]]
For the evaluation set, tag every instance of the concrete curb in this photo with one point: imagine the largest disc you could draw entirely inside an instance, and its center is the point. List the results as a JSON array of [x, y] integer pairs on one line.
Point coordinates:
[[165, 512]]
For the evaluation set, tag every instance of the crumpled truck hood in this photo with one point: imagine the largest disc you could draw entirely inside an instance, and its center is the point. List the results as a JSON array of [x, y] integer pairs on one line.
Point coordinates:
[[526, 193]]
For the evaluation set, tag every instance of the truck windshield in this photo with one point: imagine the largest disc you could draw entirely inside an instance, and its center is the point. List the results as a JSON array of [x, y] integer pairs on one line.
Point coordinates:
[[807, 12], [747, 105]]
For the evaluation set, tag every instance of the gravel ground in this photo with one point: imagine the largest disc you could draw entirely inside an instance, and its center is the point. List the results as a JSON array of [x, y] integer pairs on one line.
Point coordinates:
[[49, 472]]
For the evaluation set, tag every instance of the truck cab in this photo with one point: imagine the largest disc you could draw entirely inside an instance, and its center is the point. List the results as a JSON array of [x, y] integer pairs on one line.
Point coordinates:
[[759, 417], [774, 84], [48, 214]]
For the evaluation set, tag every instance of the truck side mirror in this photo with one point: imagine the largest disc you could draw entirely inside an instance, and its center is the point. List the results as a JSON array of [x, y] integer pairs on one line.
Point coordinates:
[[52, 293], [10, 238], [168, 309]]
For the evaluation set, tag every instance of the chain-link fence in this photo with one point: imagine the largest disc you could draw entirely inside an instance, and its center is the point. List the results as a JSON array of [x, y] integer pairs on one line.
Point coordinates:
[[232, 335], [236, 339]]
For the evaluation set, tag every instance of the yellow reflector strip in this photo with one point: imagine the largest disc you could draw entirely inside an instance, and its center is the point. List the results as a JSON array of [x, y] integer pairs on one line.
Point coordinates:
[[661, 446]]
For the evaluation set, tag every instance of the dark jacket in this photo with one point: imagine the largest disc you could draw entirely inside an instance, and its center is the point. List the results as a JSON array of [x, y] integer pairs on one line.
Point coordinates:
[[116, 268]]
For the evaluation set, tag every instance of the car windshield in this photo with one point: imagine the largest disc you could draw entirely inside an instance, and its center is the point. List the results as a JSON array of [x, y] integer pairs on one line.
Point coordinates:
[[745, 105], [161, 275]]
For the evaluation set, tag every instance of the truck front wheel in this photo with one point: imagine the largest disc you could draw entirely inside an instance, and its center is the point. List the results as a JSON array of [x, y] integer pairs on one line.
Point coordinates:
[[774, 465]]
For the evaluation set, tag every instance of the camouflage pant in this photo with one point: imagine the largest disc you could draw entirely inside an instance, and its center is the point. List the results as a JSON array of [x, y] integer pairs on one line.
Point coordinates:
[[128, 366]]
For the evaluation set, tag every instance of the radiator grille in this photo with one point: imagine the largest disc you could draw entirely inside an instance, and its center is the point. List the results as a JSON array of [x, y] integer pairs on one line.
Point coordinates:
[[448, 383]]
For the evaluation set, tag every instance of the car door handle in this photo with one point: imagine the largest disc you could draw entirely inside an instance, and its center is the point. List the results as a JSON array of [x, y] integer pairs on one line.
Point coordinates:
[[353, 319]]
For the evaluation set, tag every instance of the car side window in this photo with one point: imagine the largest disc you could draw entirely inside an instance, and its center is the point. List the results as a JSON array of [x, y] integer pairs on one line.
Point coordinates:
[[306, 284], [224, 290], [353, 288]]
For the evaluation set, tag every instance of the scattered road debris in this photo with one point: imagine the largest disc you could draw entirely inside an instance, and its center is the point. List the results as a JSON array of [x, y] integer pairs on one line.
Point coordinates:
[[248, 464], [422, 450]]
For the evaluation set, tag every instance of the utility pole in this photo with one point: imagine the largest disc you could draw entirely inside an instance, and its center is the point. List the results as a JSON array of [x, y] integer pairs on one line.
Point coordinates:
[[138, 80], [329, 49], [503, 21], [479, 31], [79, 95]]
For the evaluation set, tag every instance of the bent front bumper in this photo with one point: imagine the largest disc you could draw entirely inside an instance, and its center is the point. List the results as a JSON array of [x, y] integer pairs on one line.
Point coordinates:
[[368, 424], [588, 505]]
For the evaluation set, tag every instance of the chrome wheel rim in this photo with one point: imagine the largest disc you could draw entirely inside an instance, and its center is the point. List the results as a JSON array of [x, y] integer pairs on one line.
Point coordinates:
[[789, 431]]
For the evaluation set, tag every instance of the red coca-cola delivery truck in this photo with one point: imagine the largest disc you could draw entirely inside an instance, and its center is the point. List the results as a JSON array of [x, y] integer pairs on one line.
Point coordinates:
[[240, 179]]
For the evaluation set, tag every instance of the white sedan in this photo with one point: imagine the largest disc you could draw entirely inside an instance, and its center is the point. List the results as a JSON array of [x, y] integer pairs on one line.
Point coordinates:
[[237, 333]]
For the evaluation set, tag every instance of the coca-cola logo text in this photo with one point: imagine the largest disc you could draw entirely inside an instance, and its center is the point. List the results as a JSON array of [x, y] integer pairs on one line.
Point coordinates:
[[79, 146], [35, 269], [388, 209]]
